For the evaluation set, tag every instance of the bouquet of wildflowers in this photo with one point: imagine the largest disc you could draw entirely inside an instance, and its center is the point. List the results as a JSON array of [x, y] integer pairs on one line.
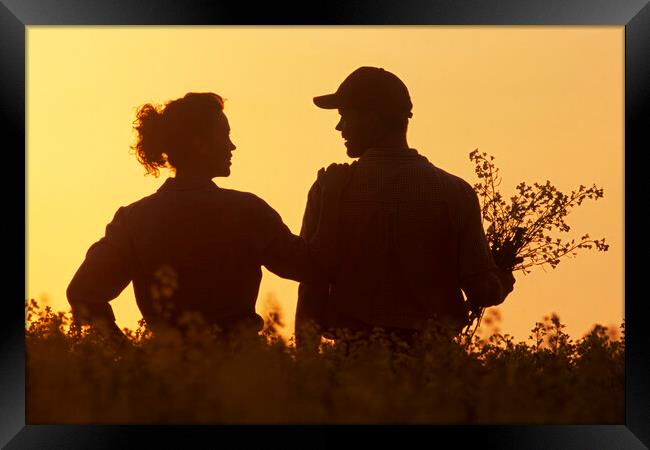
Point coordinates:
[[522, 232]]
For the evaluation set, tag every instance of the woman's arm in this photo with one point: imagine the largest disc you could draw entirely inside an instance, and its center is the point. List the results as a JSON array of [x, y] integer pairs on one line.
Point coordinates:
[[102, 276], [311, 260]]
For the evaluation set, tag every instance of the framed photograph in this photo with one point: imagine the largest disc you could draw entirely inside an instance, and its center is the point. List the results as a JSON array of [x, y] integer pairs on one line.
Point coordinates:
[[551, 93]]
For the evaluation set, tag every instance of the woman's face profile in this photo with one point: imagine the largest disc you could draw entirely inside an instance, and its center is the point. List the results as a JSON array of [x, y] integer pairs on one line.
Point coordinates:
[[217, 148]]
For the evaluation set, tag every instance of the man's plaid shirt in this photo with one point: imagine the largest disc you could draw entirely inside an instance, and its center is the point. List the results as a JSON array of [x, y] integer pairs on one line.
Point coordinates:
[[409, 234]]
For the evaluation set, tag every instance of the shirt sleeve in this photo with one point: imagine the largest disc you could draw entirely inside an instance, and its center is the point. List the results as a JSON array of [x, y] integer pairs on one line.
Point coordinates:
[[284, 253], [311, 296], [474, 251], [103, 275], [477, 270]]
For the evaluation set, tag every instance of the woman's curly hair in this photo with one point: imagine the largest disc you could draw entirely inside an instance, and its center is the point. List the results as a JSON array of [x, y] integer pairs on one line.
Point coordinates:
[[164, 133]]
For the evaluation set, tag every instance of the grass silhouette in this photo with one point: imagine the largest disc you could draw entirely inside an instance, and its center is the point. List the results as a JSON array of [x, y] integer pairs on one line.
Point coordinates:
[[74, 376]]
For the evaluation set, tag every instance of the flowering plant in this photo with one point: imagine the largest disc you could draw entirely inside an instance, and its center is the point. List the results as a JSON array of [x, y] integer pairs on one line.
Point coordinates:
[[519, 232]]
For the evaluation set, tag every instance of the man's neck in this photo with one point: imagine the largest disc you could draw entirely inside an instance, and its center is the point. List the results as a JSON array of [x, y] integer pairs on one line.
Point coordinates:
[[392, 141], [387, 147]]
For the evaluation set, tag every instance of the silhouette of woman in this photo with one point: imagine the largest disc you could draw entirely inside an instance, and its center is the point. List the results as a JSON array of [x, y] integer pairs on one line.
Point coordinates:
[[193, 247]]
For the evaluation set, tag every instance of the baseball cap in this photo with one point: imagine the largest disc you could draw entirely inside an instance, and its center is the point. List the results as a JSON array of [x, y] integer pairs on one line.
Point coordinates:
[[369, 88]]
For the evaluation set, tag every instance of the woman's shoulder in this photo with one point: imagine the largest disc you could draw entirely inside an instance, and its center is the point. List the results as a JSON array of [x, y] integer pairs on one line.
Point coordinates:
[[137, 208], [142, 202], [244, 199], [241, 196], [234, 201]]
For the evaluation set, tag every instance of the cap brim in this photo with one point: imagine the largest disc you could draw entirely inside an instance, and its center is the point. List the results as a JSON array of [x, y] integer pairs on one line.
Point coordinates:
[[329, 101]]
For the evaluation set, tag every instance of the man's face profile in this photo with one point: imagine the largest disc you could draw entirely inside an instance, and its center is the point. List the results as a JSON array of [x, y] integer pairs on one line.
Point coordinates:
[[359, 130]]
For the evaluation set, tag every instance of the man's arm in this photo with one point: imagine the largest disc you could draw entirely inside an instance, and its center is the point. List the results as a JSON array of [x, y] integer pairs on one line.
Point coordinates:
[[311, 257], [312, 297], [102, 276], [331, 183], [294, 258], [488, 288], [483, 282]]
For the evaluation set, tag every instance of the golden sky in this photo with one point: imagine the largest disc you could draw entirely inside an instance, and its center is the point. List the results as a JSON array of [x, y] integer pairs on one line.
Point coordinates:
[[546, 102]]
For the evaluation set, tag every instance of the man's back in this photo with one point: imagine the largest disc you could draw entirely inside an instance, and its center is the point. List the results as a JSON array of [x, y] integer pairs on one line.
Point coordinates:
[[410, 233]]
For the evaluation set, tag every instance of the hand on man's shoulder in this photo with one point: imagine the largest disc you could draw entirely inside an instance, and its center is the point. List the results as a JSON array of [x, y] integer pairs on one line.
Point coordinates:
[[334, 179]]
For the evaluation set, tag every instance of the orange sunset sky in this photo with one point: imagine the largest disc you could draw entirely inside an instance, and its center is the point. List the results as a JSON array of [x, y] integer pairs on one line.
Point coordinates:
[[546, 102]]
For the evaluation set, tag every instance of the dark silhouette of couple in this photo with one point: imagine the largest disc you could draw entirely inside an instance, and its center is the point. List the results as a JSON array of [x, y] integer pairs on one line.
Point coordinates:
[[388, 241]]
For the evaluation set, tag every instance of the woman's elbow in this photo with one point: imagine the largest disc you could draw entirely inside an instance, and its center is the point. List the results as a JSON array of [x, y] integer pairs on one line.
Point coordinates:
[[72, 292]]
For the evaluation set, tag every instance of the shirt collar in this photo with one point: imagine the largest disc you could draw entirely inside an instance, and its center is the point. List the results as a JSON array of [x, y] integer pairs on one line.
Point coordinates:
[[390, 152], [174, 184]]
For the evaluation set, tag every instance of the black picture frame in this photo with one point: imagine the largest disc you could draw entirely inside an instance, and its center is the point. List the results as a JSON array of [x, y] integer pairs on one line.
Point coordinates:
[[634, 15]]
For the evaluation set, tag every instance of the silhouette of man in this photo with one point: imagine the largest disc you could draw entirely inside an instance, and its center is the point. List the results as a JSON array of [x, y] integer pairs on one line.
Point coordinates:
[[410, 234]]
